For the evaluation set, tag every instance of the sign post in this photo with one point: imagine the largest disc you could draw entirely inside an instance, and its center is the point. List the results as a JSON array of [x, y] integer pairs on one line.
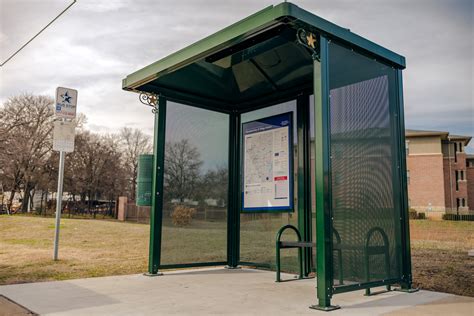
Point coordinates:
[[63, 141]]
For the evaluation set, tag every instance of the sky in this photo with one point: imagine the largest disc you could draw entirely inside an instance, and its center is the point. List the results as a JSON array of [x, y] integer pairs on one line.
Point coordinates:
[[95, 44]]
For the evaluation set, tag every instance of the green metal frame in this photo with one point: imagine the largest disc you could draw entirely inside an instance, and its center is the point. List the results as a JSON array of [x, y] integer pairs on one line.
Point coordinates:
[[156, 212], [406, 284], [324, 251], [304, 176], [233, 217], [192, 265]]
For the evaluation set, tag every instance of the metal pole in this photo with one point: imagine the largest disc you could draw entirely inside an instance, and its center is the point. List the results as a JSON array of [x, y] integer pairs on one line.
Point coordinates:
[[59, 200], [324, 234], [156, 212], [233, 216]]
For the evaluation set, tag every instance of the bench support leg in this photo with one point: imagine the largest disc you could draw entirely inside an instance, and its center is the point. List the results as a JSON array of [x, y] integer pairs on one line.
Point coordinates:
[[300, 262], [278, 278]]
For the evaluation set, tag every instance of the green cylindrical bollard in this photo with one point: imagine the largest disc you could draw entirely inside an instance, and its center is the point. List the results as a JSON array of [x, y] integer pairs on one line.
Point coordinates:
[[144, 180]]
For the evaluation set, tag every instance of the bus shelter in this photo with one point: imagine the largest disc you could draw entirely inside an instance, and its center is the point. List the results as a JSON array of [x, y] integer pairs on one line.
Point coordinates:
[[282, 118]]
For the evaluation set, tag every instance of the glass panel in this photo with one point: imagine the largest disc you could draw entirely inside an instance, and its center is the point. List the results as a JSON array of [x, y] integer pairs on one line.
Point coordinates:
[[258, 230], [365, 212], [195, 194]]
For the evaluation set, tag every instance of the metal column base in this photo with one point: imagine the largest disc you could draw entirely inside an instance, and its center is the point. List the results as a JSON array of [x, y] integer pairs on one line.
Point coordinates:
[[369, 293], [411, 290], [325, 308], [148, 274], [233, 268]]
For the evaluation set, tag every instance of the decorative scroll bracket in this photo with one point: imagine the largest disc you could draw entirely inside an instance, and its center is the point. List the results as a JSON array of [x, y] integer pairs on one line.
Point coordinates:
[[310, 41], [150, 100]]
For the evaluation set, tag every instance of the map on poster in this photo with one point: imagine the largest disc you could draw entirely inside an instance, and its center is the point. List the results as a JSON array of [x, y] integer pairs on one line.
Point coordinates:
[[267, 183]]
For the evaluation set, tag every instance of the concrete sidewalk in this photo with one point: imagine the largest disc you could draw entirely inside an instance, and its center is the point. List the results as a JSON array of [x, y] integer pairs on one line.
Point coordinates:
[[216, 291]]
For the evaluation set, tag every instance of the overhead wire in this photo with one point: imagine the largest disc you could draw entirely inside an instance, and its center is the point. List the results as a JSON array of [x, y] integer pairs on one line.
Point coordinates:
[[44, 28]]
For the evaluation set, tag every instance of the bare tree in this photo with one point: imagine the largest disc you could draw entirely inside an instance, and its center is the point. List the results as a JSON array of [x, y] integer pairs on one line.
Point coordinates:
[[182, 170], [94, 171], [133, 143], [25, 129], [101, 167]]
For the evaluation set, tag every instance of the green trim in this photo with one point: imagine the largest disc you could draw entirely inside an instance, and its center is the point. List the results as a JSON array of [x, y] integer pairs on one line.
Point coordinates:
[[256, 264], [190, 99], [273, 99], [304, 176], [282, 13], [362, 286], [397, 177], [156, 211], [324, 255], [404, 219], [193, 265], [233, 216]]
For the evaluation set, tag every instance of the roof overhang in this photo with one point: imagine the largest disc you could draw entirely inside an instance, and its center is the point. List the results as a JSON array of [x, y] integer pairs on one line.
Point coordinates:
[[421, 133], [464, 139], [253, 62]]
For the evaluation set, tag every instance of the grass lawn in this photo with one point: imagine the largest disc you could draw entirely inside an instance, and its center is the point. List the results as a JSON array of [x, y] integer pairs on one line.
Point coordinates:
[[87, 248], [439, 256], [90, 248]]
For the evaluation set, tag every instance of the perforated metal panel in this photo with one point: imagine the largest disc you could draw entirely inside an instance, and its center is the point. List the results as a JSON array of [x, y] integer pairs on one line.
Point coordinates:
[[366, 214]]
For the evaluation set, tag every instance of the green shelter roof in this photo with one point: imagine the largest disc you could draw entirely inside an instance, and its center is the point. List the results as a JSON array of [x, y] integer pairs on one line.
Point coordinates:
[[249, 64]]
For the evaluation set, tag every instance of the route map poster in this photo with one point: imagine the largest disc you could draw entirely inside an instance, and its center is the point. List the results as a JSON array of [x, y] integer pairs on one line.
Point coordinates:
[[267, 182]]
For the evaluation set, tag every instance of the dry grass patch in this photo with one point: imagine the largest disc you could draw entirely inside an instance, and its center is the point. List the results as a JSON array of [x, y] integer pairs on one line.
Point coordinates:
[[87, 248]]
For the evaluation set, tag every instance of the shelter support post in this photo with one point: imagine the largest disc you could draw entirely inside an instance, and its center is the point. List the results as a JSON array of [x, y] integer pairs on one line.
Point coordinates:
[[156, 212], [233, 215], [406, 284], [304, 178], [324, 256]]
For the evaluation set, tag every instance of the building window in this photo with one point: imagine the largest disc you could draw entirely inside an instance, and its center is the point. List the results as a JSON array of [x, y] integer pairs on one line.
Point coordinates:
[[460, 147], [455, 152], [408, 176], [463, 202], [456, 173], [458, 203], [407, 147]]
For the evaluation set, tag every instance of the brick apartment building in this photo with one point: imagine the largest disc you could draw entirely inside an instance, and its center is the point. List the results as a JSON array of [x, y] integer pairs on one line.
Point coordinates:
[[440, 174]]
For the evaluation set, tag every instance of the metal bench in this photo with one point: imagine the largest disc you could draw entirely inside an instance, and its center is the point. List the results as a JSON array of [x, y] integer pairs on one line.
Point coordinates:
[[338, 247], [290, 244]]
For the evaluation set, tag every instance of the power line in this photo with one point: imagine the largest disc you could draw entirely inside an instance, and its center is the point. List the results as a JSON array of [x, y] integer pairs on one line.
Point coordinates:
[[44, 28]]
